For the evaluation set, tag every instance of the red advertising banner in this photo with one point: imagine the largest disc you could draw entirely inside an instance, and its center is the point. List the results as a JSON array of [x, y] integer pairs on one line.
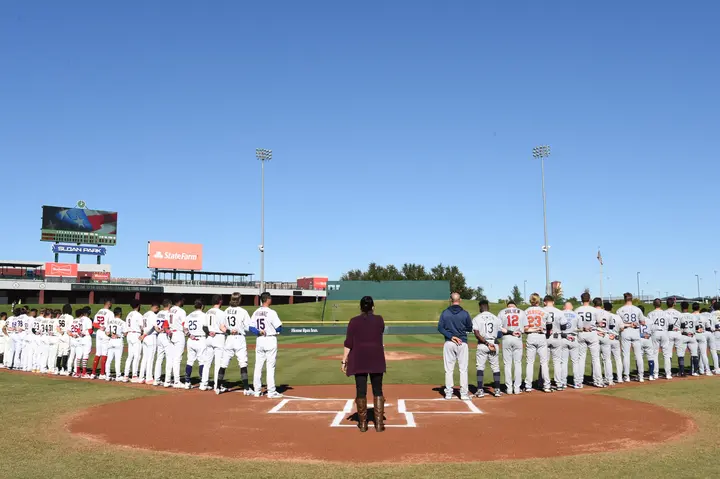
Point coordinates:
[[163, 255], [59, 270], [101, 276]]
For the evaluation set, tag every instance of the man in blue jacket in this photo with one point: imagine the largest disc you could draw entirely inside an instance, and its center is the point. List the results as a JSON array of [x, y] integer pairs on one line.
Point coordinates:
[[454, 324]]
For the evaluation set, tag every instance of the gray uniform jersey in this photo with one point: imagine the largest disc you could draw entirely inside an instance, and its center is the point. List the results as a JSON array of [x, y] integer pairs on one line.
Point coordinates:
[[630, 315], [569, 322], [707, 321], [588, 317], [553, 318], [673, 319], [689, 322], [513, 319], [657, 320], [487, 325]]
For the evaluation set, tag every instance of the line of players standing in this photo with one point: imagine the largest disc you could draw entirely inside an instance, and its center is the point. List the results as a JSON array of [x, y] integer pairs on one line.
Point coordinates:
[[566, 336], [56, 342]]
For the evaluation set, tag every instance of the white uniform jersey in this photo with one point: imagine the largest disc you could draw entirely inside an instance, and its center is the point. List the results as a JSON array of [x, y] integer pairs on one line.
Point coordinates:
[[513, 319], [569, 322], [237, 319], [265, 319], [536, 317], [134, 322], [75, 328], [64, 322], [3, 327], [162, 320], [658, 320], [487, 325], [102, 317], [87, 326], [588, 317], [23, 323], [115, 327], [553, 318], [195, 322], [631, 315], [32, 325], [149, 321], [47, 327], [177, 319], [10, 324], [215, 318]]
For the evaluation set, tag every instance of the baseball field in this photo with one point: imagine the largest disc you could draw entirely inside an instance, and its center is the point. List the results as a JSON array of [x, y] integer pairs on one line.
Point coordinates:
[[63, 427]]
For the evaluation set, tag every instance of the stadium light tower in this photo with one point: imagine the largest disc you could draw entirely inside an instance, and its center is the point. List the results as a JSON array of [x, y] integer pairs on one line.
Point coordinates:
[[543, 152], [698, 284], [263, 155]]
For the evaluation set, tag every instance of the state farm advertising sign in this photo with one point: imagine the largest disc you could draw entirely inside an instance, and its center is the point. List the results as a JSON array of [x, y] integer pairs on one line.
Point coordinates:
[[164, 255], [59, 270]]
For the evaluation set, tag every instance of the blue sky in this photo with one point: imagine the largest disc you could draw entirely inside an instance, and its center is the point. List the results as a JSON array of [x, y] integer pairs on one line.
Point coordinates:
[[401, 132]]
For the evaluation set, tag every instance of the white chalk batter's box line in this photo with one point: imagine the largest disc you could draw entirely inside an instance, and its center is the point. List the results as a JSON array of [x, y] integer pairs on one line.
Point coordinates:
[[349, 404]]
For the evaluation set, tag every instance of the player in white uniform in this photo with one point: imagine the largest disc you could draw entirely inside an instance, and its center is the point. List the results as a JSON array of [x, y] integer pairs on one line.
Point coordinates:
[[196, 330], [177, 344], [102, 340], [215, 342], [716, 334], [632, 318], [12, 354], [536, 344], [569, 324], [4, 339], [658, 322], [163, 342], [22, 351], [9, 350], [556, 345], [134, 328], [32, 330], [148, 339], [589, 340], [704, 336], [237, 323], [115, 331], [266, 324], [83, 331], [487, 328], [51, 336], [63, 354], [513, 321], [675, 337]]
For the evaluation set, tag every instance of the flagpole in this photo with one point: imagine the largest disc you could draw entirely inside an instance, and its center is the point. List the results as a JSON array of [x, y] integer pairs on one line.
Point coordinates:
[[599, 257]]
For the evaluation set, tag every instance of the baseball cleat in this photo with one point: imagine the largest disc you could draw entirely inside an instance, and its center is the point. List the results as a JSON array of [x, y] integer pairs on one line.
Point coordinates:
[[257, 394], [167, 385], [274, 395], [203, 387], [708, 373], [651, 378], [480, 393], [577, 386], [104, 376], [154, 383], [695, 374], [87, 376], [187, 385], [108, 378], [178, 386], [641, 379], [669, 376], [547, 390], [464, 397], [449, 396], [248, 392], [626, 379], [528, 389], [610, 384], [497, 393], [717, 371]]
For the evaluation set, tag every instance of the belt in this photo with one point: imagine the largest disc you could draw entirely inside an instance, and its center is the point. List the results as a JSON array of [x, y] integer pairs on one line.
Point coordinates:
[[195, 338]]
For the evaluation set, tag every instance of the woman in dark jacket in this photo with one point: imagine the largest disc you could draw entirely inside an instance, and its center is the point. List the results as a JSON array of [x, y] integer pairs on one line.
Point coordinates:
[[365, 356]]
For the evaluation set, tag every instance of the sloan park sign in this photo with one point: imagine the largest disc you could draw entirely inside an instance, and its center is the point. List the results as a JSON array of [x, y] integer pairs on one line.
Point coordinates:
[[76, 249]]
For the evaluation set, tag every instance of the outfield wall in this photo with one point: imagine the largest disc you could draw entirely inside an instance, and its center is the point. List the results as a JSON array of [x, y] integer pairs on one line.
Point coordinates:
[[388, 290]]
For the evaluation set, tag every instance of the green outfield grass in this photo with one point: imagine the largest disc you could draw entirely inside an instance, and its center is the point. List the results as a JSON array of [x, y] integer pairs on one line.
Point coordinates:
[[37, 445]]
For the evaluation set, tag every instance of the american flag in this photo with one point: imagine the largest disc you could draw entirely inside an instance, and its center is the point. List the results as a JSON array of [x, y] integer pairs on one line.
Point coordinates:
[[79, 219], [599, 257]]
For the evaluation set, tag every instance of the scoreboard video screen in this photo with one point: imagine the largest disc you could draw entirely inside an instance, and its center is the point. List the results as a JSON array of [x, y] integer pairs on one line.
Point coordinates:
[[78, 225]]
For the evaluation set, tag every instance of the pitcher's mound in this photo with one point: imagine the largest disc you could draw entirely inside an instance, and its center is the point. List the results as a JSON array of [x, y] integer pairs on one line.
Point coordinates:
[[392, 356], [317, 424]]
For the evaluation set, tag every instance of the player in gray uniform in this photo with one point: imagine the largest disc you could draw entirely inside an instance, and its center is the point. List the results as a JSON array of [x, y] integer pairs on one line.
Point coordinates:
[[704, 336], [536, 344], [487, 329], [716, 334], [513, 322], [688, 324], [605, 343], [632, 318], [589, 339], [658, 322], [569, 326], [646, 344], [454, 325], [556, 345], [710, 326], [675, 337]]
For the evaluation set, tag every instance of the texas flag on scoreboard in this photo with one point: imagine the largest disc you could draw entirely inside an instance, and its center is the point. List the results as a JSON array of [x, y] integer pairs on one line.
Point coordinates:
[[79, 219]]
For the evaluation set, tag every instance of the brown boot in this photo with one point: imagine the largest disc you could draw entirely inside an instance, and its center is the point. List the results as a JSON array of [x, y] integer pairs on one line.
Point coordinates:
[[379, 413], [362, 413]]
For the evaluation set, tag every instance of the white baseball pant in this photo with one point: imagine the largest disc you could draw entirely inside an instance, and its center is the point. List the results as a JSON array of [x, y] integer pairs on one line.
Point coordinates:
[[174, 358], [571, 353], [213, 355], [630, 339], [235, 345], [163, 345], [661, 340], [512, 352], [555, 347], [589, 340], [704, 363], [114, 352], [452, 353], [266, 351], [52, 355], [132, 362], [149, 344]]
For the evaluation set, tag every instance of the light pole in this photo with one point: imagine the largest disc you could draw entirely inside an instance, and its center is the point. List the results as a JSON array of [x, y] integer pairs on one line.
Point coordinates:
[[698, 284], [716, 286], [525, 290], [638, 283], [543, 152], [263, 155]]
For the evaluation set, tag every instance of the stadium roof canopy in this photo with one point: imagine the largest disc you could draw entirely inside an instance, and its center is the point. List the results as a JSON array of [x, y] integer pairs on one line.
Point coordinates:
[[21, 264]]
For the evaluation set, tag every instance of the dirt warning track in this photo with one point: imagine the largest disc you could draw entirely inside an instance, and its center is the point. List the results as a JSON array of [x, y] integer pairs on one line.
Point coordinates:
[[317, 424]]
